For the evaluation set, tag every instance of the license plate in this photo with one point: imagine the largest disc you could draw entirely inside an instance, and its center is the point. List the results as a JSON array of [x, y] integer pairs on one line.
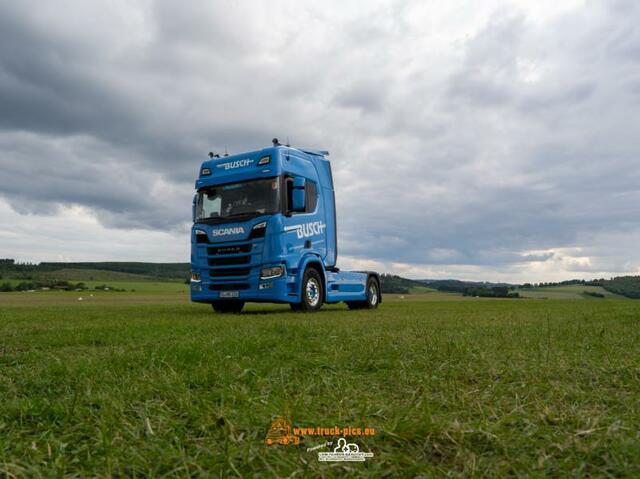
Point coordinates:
[[229, 294]]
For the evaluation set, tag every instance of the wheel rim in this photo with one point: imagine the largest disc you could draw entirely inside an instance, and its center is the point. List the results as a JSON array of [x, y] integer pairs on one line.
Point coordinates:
[[313, 292], [373, 295]]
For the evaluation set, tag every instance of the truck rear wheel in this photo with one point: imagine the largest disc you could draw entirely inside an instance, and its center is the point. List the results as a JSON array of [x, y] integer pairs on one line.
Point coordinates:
[[227, 306], [373, 296], [312, 292]]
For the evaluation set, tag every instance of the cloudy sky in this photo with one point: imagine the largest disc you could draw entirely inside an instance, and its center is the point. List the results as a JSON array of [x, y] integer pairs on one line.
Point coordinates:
[[494, 140]]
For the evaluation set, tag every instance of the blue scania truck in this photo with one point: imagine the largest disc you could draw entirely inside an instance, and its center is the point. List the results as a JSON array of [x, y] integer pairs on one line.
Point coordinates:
[[264, 230]]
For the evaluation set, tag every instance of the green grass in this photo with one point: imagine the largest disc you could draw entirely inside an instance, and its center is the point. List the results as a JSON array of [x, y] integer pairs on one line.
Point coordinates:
[[148, 384], [143, 286], [79, 274]]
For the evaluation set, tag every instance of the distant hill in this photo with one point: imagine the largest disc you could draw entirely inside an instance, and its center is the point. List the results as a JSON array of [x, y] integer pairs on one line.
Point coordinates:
[[86, 271], [113, 270], [458, 284], [393, 284], [573, 291], [473, 288], [628, 286]]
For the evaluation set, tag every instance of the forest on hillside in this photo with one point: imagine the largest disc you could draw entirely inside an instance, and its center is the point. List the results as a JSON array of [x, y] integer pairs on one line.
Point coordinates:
[[393, 284], [628, 286]]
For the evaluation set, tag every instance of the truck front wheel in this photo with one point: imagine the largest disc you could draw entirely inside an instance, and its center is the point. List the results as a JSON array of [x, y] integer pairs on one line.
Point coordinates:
[[312, 292], [227, 306]]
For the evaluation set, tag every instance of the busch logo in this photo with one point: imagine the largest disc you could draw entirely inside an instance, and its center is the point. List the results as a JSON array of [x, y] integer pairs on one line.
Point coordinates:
[[235, 164], [307, 229], [236, 230]]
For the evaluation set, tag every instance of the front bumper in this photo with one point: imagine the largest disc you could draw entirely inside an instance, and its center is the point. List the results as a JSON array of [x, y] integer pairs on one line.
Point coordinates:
[[278, 290]]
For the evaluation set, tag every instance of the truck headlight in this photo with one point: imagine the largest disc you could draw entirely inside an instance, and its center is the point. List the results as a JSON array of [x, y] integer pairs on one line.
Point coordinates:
[[271, 273], [195, 277]]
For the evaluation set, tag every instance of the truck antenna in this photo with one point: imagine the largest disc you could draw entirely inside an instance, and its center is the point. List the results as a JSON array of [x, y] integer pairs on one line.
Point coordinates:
[[226, 153], [288, 145]]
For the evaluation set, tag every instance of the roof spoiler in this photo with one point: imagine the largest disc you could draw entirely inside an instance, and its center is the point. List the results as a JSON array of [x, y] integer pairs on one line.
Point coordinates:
[[315, 152]]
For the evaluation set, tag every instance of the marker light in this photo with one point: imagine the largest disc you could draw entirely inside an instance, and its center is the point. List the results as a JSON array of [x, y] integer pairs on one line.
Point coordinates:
[[205, 172], [271, 273], [265, 160]]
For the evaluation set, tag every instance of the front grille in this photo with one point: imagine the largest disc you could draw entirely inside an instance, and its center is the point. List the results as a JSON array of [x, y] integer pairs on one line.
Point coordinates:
[[216, 273], [228, 286], [229, 261], [231, 265], [243, 248]]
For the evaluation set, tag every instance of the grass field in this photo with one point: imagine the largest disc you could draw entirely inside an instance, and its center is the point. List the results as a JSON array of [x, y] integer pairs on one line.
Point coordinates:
[[147, 384], [76, 275], [129, 286]]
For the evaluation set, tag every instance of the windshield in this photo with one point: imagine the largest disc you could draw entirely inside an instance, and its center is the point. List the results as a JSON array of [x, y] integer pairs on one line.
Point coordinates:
[[249, 198]]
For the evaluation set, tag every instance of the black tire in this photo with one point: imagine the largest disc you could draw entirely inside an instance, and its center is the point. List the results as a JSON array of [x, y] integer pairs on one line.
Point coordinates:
[[373, 296], [227, 306], [312, 291]]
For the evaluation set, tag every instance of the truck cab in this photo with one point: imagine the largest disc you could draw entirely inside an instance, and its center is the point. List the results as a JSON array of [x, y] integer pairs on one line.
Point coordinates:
[[264, 230]]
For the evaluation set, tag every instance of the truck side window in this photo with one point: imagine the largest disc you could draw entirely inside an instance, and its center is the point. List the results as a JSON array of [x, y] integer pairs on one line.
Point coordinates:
[[311, 194]]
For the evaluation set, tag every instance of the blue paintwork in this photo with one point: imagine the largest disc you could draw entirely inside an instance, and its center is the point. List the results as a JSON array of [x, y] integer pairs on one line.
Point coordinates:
[[295, 241]]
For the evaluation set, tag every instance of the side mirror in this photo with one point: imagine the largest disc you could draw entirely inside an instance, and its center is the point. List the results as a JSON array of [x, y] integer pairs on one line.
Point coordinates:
[[193, 209], [298, 196]]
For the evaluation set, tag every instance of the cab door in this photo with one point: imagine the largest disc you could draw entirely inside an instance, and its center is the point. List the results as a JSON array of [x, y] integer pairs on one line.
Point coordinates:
[[304, 224]]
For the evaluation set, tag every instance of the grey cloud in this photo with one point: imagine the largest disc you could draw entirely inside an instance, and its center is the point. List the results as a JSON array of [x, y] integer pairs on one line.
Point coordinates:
[[86, 172], [520, 136], [538, 257], [573, 162], [368, 96]]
